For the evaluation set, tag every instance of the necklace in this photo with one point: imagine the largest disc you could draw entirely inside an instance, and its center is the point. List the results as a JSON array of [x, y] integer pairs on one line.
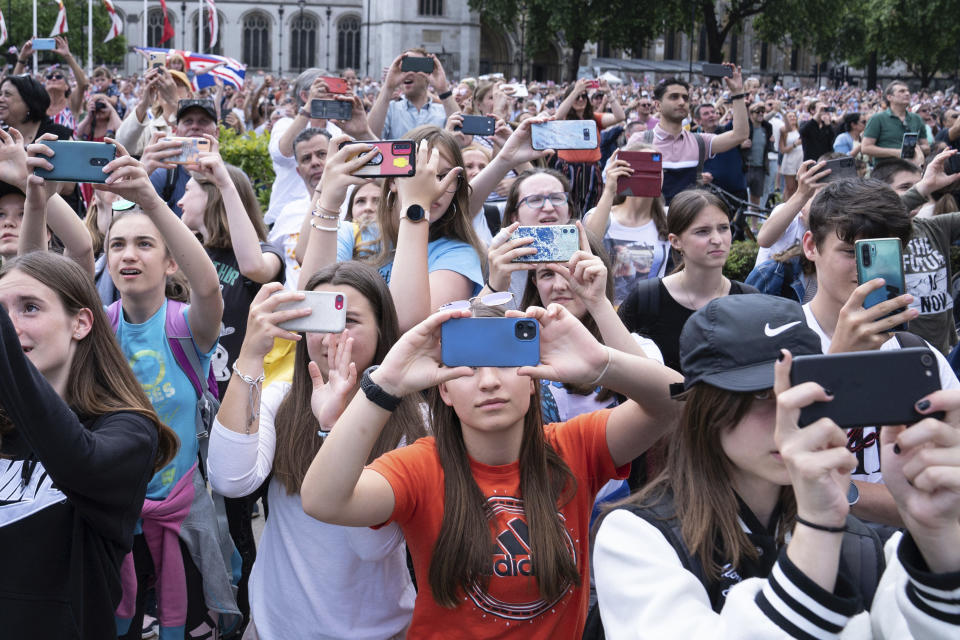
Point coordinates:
[[690, 302]]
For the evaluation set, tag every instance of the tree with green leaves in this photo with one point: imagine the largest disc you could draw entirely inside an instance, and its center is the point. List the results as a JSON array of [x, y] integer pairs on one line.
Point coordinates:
[[20, 29], [619, 23]]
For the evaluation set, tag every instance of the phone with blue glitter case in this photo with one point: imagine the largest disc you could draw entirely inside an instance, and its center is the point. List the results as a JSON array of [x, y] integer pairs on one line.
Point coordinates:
[[554, 243]]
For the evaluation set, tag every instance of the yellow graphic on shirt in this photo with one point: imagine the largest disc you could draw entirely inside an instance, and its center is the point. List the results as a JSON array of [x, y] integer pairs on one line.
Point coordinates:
[[150, 360]]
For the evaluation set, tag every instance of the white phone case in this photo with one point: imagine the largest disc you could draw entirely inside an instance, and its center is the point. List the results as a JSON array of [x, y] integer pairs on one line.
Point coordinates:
[[329, 312]]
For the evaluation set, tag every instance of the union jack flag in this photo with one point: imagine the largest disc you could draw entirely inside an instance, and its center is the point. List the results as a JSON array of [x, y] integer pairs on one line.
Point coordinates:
[[204, 67]]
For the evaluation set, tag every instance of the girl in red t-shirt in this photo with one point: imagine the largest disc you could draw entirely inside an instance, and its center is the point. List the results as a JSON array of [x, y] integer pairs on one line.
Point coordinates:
[[495, 507]]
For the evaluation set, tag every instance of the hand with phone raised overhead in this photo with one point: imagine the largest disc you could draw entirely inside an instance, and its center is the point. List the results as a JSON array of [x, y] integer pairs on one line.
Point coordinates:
[[357, 126], [935, 176], [159, 152], [615, 169], [339, 169], [127, 177], [425, 187], [453, 125], [503, 253], [860, 329], [13, 158], [36, 157], [264, 318], [568, 352]]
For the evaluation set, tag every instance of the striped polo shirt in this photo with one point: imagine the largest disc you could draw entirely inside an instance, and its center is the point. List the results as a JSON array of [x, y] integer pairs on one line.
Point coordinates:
[[680, 158]]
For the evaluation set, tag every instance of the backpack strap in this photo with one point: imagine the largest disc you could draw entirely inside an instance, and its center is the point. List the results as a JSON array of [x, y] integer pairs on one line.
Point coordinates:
[[862, 559], [181, 344], [648, 296], [492, 214], [701, 154], [113, 311], [907, 340]]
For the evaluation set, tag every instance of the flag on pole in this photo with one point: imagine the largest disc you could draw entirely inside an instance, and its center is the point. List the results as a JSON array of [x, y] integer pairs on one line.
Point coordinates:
[[167, 27], [213, 22], [116, 24], [60, 27], [204, 66], [3, 29]]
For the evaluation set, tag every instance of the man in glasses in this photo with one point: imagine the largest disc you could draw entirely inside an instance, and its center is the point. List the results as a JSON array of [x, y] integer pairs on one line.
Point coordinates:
[[645, 111], [755, 149]]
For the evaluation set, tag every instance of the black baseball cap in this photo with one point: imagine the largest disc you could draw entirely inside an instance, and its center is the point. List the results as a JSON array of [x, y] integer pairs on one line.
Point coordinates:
[[733, 342], [197, 103]]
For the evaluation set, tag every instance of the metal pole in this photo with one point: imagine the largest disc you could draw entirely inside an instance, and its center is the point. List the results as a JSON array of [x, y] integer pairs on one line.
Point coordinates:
[[145, 42], [280, 53], [183, 25], [693, 28], [90, 37], [329, 11], [200, 47], [301, 50], [34, 34]]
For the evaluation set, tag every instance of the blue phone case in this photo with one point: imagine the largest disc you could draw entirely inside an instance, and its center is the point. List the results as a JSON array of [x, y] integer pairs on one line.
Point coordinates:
[[880, 258], [564, 134], [44, 44], [75, 161], [490, 342], [554, 242]]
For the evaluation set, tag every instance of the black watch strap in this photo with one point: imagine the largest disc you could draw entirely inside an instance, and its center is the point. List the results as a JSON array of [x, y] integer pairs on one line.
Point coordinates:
[[446, 94], [375, 392]]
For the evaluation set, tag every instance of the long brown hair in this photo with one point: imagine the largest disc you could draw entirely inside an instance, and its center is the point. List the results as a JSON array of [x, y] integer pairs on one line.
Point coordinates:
[[100, 380], [453, 223], [461, 556], [215, 213], [295, 425], [698, 474], [531, 297], [512, 205]]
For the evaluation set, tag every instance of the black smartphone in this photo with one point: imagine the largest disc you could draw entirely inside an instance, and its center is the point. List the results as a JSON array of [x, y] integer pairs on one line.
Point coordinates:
[[831, 109], [953, 165], [870, 388], [841, 168], [334, 109], [477, 126], [712, 70], [909, 146], [416, 63]]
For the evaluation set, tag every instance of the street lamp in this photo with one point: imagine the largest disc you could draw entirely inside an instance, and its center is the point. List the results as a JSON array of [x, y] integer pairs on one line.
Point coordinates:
[[183, 24], [301, 50], [280, 53], [329, 11]]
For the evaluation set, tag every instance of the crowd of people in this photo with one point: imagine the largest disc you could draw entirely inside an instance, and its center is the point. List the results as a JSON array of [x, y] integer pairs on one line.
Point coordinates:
[[647, 477]]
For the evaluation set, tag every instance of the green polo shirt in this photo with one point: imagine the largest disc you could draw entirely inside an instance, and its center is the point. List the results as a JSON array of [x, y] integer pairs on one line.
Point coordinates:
[[887, 129]]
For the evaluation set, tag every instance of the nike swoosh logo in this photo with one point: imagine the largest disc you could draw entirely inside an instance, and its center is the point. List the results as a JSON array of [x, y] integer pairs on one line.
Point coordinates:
[[767, 331]]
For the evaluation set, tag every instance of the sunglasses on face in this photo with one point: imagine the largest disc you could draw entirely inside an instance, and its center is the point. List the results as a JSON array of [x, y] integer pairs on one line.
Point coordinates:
[[54, 76], [582, 96]]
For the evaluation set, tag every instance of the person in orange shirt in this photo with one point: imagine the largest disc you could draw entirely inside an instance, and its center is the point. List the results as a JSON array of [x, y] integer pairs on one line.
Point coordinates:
[[495, 506]]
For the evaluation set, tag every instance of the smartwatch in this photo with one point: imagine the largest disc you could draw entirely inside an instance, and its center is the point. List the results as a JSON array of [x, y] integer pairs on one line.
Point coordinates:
[[375, 392], [415, 213]]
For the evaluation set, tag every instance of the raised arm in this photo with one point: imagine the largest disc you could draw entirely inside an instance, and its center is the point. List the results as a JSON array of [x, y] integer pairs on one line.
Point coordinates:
[[378, 112], [318, 91], [128, 179], [808, 180], [76, 97], [516, 151], [741, 122], [251, 260], [598, 221], [410, 271], [616, 113]]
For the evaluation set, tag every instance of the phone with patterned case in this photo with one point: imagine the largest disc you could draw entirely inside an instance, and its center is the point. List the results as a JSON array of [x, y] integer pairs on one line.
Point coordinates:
[[397, 159], [564, 134], [554, 243]]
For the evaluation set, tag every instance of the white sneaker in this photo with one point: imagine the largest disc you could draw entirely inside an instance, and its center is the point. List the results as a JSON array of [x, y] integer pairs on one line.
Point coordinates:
[[150, 627]]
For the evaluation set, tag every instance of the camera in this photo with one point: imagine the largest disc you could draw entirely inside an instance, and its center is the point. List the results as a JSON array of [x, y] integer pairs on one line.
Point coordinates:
[[525, 330], [99, 106], [865, 254]]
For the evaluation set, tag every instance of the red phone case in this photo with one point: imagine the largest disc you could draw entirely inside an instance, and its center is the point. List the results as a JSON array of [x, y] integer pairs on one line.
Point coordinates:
[[335, 85], [397, 159], [647, 178]]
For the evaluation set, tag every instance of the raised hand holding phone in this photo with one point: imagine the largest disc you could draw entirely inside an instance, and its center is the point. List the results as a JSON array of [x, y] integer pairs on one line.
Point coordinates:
[[860, 329], [425, 187], [568, 352], [338, 172], [13, 158]]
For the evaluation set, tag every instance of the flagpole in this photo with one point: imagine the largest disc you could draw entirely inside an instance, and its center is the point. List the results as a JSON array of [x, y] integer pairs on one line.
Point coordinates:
[[200, 45], [34, 34], [145, 23], [90, 37]]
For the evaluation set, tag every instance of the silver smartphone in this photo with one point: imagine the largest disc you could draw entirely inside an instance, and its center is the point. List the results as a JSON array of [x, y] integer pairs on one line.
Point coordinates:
[[328, 312]]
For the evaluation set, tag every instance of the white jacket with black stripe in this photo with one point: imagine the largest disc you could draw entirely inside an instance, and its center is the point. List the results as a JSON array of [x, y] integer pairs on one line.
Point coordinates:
[[644, 592]]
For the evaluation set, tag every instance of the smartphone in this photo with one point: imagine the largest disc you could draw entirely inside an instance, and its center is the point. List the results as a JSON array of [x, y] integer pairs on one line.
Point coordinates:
[[490, 342], [564, 134], [831, 109], [647, 178], [841, 168], [335, 109], [553, 242], [881, 258], [953, 165], [328, 312], [417, 63], [870, 388], [477, 126], [517, 90], [909, 145], [335, 85], [593, 84], [44, 44], [397, 159], [712, 70], [190, 149], [156, 59], [76, 161]]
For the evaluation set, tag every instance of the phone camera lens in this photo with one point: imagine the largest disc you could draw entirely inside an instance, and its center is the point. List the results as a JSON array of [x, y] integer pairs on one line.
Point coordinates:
[[525, 330], [865, 254], [338, 302], [926, 360]]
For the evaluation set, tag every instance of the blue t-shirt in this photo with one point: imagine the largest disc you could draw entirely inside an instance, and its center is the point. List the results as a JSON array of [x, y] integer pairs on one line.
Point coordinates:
[[347, 246], [169, 389], [843, 143], [442, 254]]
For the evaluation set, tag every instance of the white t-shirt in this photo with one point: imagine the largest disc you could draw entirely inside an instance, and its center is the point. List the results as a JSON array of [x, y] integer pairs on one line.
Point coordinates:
[[284, 235], [287, 185], [791, 236], [777, 123], [865, 442], [311, 579]]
